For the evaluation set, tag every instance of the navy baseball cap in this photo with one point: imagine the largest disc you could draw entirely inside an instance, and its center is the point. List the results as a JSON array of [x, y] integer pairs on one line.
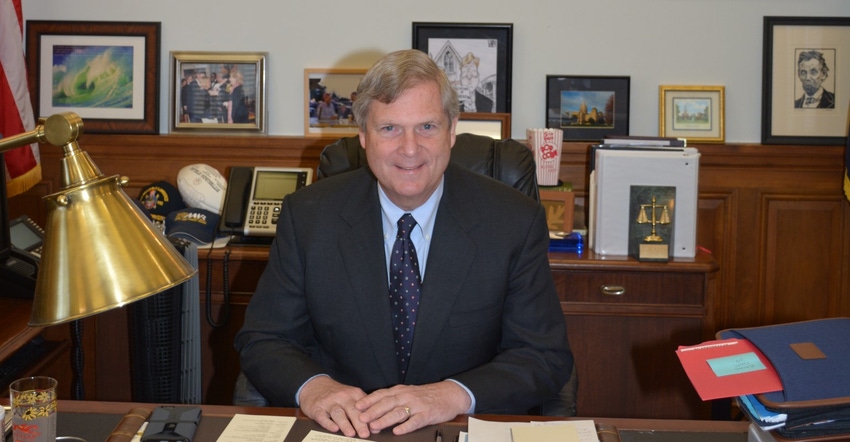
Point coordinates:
[[199, 226], [160, 199]]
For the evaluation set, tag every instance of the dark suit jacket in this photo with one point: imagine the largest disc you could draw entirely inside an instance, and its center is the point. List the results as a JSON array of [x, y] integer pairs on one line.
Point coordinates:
[[489, 316], [827, 101]]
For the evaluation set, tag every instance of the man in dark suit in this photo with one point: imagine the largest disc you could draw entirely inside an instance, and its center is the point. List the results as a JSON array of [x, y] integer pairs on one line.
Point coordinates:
[[813, 71], [488, 334]]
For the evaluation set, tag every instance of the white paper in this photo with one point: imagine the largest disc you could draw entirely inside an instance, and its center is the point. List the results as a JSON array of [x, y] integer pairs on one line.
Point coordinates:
[[488, 431], [318, 436], [257, 428]]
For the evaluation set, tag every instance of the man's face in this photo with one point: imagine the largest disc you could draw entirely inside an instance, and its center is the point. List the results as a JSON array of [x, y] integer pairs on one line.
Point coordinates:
[[408, 144], [811, 75]]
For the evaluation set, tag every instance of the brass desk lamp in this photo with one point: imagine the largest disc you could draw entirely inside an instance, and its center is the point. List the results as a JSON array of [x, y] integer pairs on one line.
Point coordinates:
[[99, 250]]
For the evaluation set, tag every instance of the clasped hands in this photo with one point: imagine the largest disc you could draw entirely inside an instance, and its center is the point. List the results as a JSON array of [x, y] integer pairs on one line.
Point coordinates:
[[338, 407]]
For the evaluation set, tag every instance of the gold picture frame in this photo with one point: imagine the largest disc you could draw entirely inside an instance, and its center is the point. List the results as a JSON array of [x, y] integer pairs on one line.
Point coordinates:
[[340, 84], [203, 68], [696, 113]]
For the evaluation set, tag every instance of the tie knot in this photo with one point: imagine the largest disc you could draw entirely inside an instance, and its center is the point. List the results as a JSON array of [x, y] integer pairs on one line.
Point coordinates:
[[405, 226]]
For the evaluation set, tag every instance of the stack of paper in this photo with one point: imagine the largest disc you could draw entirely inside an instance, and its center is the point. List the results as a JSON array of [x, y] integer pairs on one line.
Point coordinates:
[[550, 431]]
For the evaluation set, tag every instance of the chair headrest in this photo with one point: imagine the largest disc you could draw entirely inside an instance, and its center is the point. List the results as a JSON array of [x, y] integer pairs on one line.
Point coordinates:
[[508, 161]]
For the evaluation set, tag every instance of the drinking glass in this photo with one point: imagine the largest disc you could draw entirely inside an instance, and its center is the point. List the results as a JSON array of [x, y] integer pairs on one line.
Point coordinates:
[[33, 402]]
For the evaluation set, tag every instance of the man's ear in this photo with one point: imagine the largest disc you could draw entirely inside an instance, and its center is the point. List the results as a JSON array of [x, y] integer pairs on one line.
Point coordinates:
[[454, 131], [362, 135]]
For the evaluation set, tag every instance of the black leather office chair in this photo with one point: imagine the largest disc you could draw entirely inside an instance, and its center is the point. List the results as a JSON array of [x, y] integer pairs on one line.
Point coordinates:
[[508, 161]]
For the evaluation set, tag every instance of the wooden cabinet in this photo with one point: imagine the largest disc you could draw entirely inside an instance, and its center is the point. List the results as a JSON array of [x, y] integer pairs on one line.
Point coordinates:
[[625, 320]]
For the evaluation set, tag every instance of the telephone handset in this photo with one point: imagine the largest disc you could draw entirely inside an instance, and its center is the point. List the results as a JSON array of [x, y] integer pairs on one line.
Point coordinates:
[[254, 196]]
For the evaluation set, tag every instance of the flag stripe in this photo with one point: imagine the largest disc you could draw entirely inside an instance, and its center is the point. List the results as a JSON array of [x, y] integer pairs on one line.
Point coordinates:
[[23, 169]]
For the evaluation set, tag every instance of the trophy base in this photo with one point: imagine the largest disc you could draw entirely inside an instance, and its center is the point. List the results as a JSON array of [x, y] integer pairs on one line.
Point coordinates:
[[654, 252]]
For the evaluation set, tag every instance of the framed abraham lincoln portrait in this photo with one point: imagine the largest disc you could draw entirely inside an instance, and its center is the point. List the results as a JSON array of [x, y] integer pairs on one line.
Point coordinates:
[[806, 80]]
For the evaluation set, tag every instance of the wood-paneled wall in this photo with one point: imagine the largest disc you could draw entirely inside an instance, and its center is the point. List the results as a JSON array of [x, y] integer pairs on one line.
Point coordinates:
[[774, 217]]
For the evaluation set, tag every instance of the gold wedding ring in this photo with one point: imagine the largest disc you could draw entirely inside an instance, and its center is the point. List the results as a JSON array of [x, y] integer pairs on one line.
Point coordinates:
[[407, 411]]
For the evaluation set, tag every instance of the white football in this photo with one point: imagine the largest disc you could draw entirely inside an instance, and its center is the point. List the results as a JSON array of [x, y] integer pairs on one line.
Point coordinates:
[[202, 187]]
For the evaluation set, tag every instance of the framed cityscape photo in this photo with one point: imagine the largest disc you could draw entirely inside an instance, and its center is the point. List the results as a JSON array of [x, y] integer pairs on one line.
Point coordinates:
[[218, 91], [695, 113], [477, 57], [587, 108], [806, 80], [105, 72]]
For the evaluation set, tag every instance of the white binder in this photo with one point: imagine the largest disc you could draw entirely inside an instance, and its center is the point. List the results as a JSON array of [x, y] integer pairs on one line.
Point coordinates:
[[616, 170]]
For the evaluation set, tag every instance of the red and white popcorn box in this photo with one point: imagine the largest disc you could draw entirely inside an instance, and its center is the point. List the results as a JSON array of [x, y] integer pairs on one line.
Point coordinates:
[[546, 146]]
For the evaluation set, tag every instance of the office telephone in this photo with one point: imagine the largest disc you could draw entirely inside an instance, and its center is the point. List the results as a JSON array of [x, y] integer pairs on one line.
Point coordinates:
[[254, 196], [20, 261]]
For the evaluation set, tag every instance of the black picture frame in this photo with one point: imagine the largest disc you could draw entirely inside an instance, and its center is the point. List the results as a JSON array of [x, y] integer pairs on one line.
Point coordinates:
[[135, 50], [490, 44], [785, 39], [565, 95]]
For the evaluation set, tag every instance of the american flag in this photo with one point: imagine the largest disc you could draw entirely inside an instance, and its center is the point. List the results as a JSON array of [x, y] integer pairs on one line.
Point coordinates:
[[23, 165]]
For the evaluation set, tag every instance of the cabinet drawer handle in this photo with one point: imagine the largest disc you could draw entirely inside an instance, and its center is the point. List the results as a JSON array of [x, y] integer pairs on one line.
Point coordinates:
[[612, 290]]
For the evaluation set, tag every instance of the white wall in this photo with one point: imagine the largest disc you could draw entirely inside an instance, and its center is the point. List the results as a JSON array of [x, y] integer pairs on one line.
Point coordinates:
[[655, 42]]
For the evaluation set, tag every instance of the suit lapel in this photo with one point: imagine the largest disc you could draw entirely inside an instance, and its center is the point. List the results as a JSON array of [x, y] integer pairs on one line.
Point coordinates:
[[449, 261], [362, 253]]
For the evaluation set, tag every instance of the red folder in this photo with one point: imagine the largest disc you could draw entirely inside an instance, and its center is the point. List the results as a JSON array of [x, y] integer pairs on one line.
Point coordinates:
[[728, 368]]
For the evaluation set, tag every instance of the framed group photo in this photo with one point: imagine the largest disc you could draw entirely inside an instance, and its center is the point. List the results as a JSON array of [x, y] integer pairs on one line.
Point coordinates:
[[329, 96], [105, 72], [695, 113], [806, 80], [587, 108], [218, 91], [477, 58]]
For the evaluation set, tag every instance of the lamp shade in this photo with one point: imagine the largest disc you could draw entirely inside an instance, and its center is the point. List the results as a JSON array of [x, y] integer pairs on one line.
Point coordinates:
[[100, 251]]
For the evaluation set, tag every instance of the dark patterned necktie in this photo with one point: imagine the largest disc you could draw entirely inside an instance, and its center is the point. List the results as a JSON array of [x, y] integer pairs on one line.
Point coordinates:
[[405, 288]]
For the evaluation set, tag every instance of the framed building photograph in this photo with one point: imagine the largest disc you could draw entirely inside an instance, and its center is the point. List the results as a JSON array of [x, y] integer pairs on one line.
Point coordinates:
[[496, 126], [806, 80], [587, 108], [477, 58], [105, 72], [329, 95], [218, 91], [695, 113]]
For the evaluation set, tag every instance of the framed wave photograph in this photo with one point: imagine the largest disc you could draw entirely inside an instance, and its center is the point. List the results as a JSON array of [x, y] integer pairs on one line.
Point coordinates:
[[587, 108], [477, 57], [106, 72]]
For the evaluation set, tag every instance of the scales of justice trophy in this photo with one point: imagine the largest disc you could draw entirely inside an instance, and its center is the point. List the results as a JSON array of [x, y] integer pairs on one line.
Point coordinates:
[[654, 247]]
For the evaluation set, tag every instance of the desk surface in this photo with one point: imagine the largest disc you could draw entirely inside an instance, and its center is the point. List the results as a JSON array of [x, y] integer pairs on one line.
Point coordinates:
[[93, 421]]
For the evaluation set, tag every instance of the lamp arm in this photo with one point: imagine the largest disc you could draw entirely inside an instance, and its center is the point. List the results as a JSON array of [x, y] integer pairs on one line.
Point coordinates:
[[59, 130]]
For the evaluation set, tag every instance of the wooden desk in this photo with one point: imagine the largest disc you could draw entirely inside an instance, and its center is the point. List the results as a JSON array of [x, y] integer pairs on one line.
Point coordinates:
[[624, 345], [94, 420]]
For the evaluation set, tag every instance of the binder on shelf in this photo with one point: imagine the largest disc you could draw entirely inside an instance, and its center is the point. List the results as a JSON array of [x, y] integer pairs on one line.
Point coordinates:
[[615, 169]]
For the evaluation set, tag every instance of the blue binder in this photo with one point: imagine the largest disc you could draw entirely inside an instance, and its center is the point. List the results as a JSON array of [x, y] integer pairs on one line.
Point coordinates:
[[812, 359]]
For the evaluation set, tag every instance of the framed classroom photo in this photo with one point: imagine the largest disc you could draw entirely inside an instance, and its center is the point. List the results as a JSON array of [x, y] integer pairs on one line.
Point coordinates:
[[587, 108], [559, 206], [105, 72], [695, 113], [477, 57], [806, 80], [328, 98], [496, 126], [218, 91]]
